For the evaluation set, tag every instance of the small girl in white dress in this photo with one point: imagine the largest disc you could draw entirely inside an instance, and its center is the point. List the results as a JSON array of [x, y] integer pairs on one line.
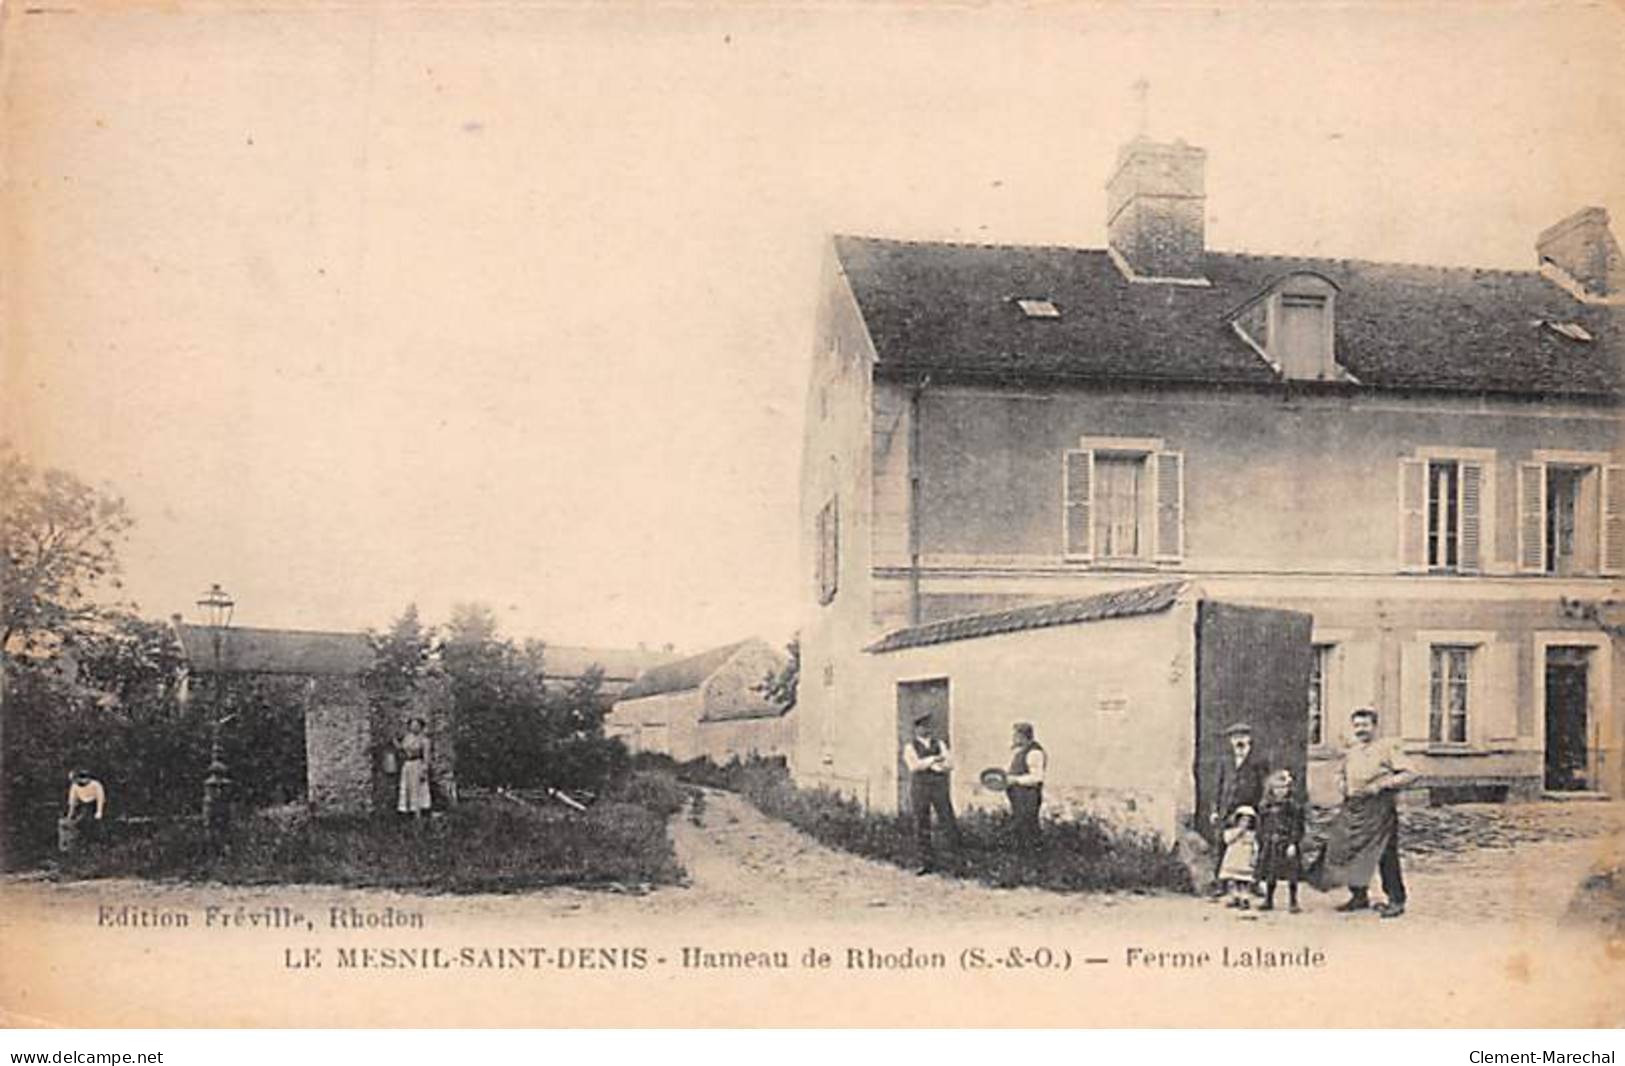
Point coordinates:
[[1240, 857]]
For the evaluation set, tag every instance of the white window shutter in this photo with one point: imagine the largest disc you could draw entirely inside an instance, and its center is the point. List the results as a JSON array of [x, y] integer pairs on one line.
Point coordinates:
[[1413, 691], [1413, 518], [1532, 517], [1470, 486], [1358, 665], [1613, 519], [1078, 477], [1170, 506], [1492, 708]]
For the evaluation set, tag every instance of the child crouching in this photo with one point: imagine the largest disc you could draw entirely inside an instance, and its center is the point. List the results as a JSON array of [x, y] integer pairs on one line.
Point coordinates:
[[1240, 858], [1280, 839]]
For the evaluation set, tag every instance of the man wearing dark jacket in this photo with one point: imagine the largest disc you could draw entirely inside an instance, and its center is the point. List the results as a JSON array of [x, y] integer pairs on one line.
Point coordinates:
[[1241, 781], [1025, 784]]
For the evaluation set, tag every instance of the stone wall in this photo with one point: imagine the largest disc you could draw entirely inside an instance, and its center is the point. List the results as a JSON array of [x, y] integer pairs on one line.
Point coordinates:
[[339, 754]]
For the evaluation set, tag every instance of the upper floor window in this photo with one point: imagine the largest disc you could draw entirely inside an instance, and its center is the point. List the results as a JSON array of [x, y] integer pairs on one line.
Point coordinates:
[[1123, 500], [1571, 514], [1442, 502], [828, 539]]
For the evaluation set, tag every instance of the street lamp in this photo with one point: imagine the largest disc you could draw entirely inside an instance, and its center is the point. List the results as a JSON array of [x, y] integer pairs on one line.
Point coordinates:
[[216, 606]]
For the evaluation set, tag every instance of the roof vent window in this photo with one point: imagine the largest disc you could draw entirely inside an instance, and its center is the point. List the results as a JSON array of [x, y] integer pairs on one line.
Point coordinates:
[[1572, 330], [1034, 308]]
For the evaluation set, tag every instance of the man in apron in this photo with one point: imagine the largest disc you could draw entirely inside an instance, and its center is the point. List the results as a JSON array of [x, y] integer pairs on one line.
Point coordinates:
[[1364, 835]]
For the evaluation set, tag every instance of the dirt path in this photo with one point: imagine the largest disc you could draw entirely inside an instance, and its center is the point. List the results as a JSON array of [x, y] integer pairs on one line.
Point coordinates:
[[742, 863], [745, 866]]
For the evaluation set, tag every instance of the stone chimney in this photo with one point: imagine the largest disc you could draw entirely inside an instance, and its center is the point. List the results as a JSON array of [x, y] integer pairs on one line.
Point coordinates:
[[1155, 202], [1580, 253]]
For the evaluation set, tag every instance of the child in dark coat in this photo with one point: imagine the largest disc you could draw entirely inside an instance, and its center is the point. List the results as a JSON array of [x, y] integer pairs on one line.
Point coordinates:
[[1280, 839]]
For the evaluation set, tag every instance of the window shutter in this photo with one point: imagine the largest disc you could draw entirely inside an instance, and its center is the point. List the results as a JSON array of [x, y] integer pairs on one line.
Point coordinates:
[[1471, 487], [1532, 517], [1413, 529], [1357, 668], [834, 546], [1613, 519], [1170, 506], [1413, 692], [1493, 694], [1079, 499]]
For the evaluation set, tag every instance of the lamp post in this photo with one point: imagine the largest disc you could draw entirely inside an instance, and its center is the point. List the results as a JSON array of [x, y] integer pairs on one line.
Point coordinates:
[[216, 606]]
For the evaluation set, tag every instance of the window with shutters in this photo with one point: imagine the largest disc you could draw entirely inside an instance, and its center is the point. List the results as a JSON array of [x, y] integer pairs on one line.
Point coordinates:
[[828, 540], [1123, 502], [1444, 498], [1571, 515], [1449, 688]]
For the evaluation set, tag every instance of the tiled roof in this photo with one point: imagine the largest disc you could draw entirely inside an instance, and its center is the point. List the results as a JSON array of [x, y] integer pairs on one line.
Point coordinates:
[[682, 675], [951, 308], [277, 651], [1126, 603], [619, 664]]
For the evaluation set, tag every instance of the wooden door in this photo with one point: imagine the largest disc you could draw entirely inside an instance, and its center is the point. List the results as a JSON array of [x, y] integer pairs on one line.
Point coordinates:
[[915, 698], [1252, 665], [1567, 750]]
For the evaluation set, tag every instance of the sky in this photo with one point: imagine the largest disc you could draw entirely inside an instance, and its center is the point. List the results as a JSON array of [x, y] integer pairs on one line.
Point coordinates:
[[363, 305]]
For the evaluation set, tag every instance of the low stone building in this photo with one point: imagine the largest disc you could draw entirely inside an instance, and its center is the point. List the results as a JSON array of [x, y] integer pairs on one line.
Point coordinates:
[[708, 705], [345, 736]]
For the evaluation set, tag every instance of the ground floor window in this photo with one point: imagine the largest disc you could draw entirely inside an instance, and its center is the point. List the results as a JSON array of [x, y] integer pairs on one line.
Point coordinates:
[[1319, 670], [1448, 690]]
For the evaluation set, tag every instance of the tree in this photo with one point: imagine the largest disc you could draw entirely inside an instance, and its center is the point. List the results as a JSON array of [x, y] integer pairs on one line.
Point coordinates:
[[59, 541], [512, 730], [780, 685], [403, 657]]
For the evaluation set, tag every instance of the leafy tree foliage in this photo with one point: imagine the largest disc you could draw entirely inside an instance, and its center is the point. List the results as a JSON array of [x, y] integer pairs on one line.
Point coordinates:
[[514, 728], [59, 540], [780, 685]]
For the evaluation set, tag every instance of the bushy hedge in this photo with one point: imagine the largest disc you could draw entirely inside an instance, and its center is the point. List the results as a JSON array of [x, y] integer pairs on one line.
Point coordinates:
[[483, 845], [1082, 854]]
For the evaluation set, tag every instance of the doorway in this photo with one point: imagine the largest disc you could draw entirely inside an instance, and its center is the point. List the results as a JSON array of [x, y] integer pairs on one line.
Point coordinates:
[[1568, 750], [915, 698]]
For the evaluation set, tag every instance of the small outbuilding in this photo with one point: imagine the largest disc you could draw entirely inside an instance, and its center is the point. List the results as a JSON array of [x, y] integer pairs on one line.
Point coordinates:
[[1129, 692], [709, 705]]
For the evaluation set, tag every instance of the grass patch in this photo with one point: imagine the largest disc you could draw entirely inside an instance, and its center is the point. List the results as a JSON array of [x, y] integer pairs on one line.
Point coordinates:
[[1079, 855], [484, 844]]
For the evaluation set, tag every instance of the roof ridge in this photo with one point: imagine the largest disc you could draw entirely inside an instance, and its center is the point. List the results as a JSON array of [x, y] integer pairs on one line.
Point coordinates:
[[1345, 260], [359, 633]]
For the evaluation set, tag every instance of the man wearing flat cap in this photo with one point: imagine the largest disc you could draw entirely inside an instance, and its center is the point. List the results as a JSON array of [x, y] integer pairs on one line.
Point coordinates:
[[1241, 779], [928, 761]]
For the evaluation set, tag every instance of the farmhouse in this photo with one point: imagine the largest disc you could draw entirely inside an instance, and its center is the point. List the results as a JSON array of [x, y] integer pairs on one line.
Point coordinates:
[[708, 705], [345, 737], [1424, 462]]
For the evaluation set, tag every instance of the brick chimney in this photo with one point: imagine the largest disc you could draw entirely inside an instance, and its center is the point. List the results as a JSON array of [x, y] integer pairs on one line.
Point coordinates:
[[1155, 202], [1581, 253]]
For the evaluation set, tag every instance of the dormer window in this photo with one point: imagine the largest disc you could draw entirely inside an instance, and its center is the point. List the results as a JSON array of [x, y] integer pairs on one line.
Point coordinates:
[[1291, 325], [1036, 308], [1304, 351]]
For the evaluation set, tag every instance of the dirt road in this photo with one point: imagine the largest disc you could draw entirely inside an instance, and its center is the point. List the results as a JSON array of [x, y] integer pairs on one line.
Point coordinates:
[[1478, 947], [742, 865]]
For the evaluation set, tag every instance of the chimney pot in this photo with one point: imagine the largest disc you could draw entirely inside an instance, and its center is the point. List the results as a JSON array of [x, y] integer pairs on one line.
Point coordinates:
[[1156, 202], [1583, 248]]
